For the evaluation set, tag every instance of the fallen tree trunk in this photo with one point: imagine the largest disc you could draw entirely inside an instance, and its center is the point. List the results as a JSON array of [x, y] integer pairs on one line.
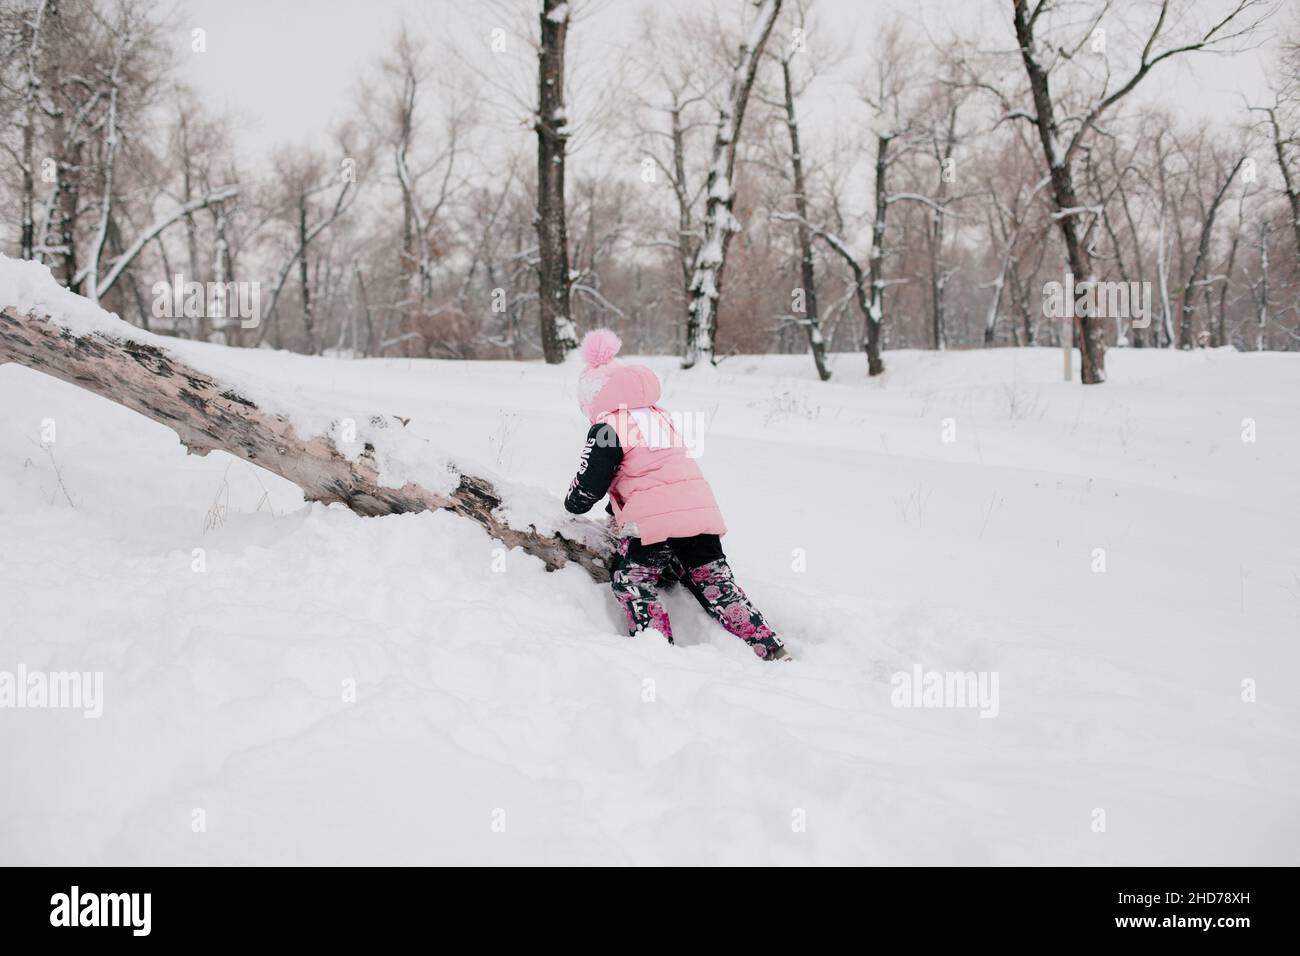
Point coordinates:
[[206, 414]]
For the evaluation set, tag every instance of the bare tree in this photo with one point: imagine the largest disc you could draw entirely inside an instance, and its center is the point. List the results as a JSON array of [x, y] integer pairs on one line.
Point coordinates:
[[867, 301], [1039, 60], [1260, 286], [942, 134], [25, 47], [790, 90], [888, 80], [153, 231], [1006, 222], [305, 176], [677, 74], [884, 92], [559, 333], [115, 176], [422, 127], [1218, 180], [1282, 142], [719, 220]]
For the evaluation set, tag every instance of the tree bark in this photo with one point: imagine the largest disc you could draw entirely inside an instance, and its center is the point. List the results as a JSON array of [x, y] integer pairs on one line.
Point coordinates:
[[684, 253], [304, 283], [865, 301], [1186, 330], [1221, 329], [68, 187], [935, 235], [366, 311], [222, 279], [559, 334], [719, 222], [31, 38], [807, 272], [106, 198], [122, 262], [1091, 332], [1288, 184], [876, 310], [1261, 313], [206, 413]]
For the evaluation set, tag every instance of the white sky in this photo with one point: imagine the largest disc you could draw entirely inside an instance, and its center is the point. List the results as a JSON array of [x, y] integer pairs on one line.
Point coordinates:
[[288, 68]]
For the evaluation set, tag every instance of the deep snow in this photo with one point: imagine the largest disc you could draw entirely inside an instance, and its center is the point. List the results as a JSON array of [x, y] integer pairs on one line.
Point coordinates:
[[510, 696]]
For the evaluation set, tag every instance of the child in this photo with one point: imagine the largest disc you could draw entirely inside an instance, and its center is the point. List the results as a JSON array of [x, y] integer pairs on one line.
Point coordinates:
[[668, 521]]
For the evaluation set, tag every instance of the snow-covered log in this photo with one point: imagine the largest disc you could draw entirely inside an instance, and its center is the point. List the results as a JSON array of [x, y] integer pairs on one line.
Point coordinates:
[[72, 340]]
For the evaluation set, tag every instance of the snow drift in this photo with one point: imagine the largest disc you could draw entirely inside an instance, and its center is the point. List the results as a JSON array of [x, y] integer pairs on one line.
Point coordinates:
[[291, 683], [366, 462]]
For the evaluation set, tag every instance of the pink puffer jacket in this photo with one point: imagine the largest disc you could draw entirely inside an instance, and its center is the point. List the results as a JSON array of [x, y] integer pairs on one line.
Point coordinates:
[[658, 492]]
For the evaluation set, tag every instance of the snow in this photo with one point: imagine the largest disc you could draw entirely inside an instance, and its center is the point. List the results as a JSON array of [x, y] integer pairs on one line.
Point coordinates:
[[721, 188], [312, 402], [28, 287], [489, 692], [710, 254]]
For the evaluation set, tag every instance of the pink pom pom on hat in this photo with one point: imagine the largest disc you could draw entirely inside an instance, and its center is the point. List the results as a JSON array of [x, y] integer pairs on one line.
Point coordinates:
[[607, 383], [599, 347]]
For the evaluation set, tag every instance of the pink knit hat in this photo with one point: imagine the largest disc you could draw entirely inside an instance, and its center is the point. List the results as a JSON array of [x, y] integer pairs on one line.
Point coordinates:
[[608, 384]]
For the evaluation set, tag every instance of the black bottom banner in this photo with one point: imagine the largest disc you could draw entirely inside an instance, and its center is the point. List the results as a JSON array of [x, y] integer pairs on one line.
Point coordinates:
[[337, 906]]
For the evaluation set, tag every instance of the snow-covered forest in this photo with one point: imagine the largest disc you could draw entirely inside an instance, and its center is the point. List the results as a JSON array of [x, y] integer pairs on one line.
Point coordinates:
[[900, 181], [296, 566]]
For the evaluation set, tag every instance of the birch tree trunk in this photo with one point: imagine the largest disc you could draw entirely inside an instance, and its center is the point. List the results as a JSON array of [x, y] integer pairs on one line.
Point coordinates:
[[218, 307], [999, 282], [1262, 313], [31, 40], [1221, 328], [106, 198], [67, 172], [719, 220], [1162, 278], [943, 155], [121, 263]]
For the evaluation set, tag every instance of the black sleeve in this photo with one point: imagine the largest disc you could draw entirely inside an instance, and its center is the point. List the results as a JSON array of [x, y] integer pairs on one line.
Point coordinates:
[[601, 457]]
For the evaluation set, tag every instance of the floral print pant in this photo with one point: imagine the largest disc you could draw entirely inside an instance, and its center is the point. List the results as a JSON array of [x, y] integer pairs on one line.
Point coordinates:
[[636, 585]]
